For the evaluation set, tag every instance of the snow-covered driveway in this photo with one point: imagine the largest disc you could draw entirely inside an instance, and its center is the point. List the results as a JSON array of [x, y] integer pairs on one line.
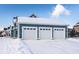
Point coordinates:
[[14, 46], [53, 46]]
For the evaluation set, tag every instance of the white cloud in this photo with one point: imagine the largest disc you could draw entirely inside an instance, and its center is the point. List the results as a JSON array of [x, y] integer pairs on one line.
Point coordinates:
[[60, 9]]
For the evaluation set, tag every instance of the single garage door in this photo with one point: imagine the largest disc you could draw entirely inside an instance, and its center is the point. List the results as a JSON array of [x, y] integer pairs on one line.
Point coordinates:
[[29, 33], [45, 33], [59, 33]]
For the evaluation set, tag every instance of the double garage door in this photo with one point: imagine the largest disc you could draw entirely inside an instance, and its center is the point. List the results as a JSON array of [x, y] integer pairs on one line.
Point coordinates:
[[42, 33]]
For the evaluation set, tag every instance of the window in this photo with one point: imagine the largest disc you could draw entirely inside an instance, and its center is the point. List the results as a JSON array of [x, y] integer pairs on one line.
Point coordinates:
[[59, 29], [27, 28], [62, 29], [24, 28], [43, 29], [34, 28], [30, 28], [40, 29], [46, 29], [54, 29]]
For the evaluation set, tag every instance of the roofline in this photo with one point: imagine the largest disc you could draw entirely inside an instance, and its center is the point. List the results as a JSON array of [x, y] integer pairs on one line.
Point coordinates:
[[39, 23], [46, 24]]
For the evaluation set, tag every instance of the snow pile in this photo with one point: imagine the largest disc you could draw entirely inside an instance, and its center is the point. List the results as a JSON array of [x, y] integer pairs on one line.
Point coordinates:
[[74, 39], [8, 45]]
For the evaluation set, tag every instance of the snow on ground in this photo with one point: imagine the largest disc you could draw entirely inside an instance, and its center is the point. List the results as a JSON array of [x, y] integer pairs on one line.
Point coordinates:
[[11, 46], [53, 46], [18, 46]]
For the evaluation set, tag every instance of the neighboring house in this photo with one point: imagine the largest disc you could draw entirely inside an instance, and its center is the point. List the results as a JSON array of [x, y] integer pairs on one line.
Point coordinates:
[[3, 33], [8, 31], [76, 29], [74, 32], [35, 28]]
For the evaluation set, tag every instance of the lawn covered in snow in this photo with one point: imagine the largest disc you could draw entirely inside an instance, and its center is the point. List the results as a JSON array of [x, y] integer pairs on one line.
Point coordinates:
[[18, 46]]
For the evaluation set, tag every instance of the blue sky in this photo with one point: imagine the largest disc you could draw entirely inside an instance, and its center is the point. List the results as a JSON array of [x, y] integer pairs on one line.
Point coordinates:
[[8, 11]]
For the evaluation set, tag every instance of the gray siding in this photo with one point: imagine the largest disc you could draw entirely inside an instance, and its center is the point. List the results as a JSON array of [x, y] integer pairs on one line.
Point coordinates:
[[14, 33]]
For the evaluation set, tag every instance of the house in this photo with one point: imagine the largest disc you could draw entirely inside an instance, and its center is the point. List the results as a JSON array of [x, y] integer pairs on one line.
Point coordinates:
[[76, 29], [36, 28]]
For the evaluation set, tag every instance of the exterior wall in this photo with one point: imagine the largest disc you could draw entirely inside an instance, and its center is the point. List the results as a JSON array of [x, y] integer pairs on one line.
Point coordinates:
[[36, 25], [14, 33], [38, 33], [69, 31], [66, 32]]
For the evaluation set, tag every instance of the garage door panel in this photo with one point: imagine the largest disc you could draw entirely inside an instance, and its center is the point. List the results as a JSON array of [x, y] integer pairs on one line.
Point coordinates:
[[45, 33], [30, 33], [59, 33]]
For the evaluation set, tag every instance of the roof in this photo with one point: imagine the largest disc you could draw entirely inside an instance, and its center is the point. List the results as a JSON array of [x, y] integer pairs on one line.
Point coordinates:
[[77, 24], [44, 21]]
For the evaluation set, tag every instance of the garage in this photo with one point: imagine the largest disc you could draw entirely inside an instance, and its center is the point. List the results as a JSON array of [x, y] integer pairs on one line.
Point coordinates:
[[29, 33], [37, 28], [45, 33], [59, 33]]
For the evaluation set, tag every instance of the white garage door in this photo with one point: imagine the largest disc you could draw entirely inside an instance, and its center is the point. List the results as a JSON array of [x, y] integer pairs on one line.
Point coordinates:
[[59, 33], [45, 33], [29, 33]]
